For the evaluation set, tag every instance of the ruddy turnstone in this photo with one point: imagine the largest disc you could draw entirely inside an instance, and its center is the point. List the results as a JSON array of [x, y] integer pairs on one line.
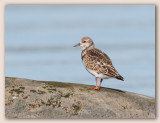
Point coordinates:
[[97, 62]]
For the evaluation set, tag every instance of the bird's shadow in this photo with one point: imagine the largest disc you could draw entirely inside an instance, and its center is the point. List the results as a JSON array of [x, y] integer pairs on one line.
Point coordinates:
[[117, 90]]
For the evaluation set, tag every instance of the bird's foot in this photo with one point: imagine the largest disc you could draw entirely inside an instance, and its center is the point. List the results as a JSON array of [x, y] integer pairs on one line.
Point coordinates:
[[95, 88]]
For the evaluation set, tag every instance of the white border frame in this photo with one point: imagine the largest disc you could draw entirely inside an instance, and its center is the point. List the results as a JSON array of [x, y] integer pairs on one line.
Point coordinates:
[[3, 3]]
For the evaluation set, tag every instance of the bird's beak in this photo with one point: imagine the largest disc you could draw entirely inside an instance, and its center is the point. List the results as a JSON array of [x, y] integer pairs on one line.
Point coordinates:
[[76, 45]]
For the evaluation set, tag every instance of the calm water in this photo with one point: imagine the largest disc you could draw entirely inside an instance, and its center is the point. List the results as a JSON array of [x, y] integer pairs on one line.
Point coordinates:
[[39, 43]]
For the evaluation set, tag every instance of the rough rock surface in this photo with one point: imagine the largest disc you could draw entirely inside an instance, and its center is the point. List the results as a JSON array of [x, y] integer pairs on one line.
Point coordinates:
[[40, 99]]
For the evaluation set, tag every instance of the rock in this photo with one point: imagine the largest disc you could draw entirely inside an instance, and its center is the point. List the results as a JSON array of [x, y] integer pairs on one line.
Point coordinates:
[[41, 99]]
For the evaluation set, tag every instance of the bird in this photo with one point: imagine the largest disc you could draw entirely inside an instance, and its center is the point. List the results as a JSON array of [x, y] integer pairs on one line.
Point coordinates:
[[97, 62]]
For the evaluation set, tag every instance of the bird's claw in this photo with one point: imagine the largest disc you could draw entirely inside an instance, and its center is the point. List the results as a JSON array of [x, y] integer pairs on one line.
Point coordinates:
[[95, 88]]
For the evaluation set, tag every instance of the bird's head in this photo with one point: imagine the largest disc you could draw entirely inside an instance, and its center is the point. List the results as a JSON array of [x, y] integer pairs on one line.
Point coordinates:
[[85, 43]]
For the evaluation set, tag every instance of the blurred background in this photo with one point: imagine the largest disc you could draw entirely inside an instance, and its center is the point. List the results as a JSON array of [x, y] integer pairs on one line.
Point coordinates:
[[39, 42]]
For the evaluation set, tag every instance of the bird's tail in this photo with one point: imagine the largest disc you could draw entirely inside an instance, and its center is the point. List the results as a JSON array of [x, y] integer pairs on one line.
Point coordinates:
[[119, 77]]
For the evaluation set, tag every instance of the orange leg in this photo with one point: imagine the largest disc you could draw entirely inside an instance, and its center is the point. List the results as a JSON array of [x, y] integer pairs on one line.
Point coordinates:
[[95, 88], [100, 83]]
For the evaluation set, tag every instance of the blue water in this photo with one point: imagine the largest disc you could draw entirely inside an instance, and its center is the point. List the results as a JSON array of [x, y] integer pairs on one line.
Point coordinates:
[[39, 42]]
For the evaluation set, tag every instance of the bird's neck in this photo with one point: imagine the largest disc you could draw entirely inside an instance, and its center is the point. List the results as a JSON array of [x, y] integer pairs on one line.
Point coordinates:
[[88, 47], [85, 50]]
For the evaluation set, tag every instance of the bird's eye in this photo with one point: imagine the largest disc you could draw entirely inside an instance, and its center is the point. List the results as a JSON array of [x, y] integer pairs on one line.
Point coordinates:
[[84, 41]]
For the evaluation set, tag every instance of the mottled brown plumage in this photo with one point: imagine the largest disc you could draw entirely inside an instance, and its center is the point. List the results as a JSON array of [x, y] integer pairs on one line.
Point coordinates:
[[97, 62]]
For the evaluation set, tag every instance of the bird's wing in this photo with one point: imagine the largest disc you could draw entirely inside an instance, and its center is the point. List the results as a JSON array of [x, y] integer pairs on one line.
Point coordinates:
[[98, 54], [102, 62], [111, 71]]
